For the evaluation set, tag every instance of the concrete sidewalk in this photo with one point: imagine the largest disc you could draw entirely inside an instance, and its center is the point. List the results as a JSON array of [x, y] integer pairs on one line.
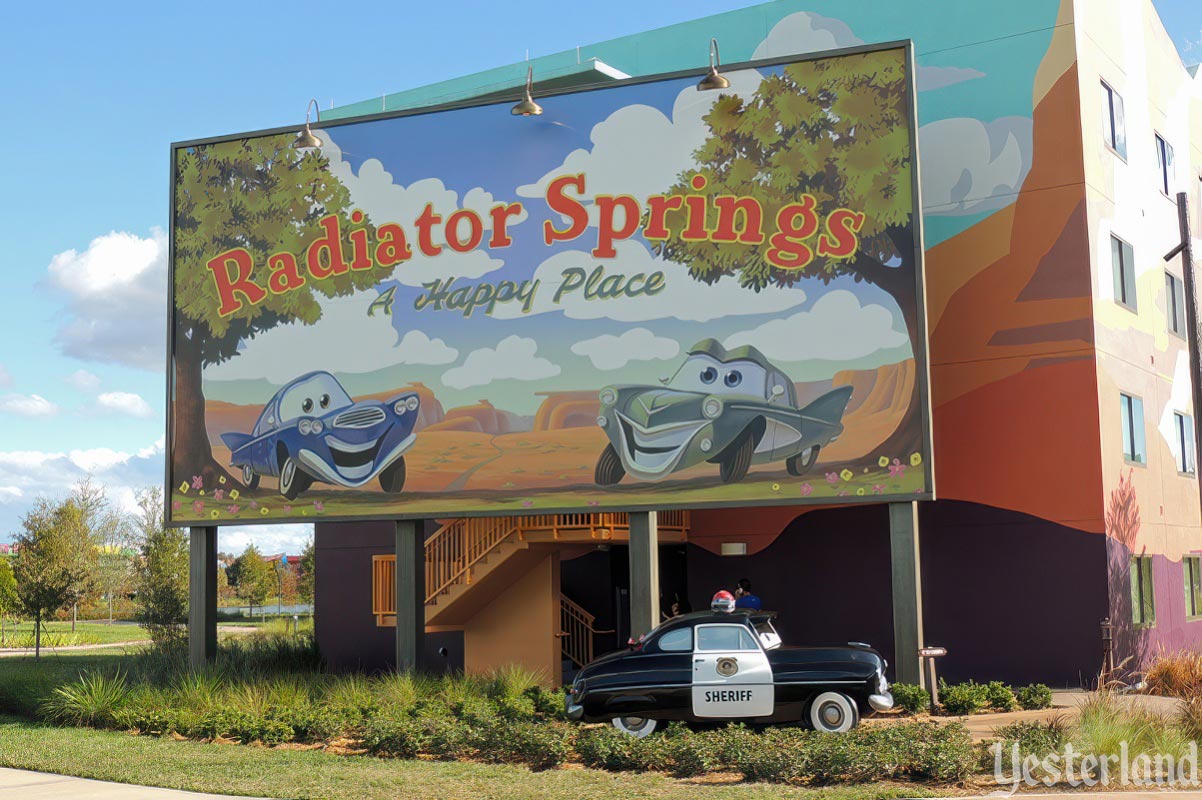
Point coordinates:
[[44, 786]]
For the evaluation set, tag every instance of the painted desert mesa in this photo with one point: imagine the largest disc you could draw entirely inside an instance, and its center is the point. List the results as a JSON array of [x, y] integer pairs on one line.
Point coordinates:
[[389, 325]]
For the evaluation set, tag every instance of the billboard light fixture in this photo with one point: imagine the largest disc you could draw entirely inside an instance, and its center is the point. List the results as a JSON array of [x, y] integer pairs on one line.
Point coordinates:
[[307, 138], [713, 80], [526, 107]]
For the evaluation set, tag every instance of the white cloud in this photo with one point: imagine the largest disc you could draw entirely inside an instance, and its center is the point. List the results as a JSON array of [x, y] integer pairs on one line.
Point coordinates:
[[638, 150], [514, 358], [373, 190], [344, 340], [10, 494], [27, 405], [125, 403], [84, 381], [116, 299], [835, 328], [269, 539], [805, 32], [683, 297], [637, 344], [929, 78], [981, 165]]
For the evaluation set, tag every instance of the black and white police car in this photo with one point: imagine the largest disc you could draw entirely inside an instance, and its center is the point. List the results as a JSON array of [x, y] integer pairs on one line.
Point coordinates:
[[712, 666]]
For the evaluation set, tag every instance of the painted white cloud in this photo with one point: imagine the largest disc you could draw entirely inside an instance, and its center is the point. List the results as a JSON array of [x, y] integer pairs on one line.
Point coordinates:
[[345, 339], [979, 167], [664, 149], [835, 328], [683, 297], [126, 403], [805, 32], [930, 78], [373, 190], [6, 378], [116, 299], [84, 381], [637, 344], [27, 405], [514, 358]]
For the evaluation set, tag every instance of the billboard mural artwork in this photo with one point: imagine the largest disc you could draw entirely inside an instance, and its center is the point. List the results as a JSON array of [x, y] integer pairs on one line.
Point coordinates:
[[651, 296]]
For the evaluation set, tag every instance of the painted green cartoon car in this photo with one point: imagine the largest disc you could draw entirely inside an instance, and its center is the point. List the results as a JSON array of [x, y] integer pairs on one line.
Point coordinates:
[[732, 408]]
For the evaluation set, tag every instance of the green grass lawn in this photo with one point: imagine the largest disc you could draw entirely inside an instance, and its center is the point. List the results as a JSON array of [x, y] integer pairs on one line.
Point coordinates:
[[55, 633], [291, 773]]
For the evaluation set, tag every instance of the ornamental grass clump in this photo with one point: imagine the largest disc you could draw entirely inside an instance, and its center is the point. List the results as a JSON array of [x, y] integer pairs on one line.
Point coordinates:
[[94, 700], [1176, 674]]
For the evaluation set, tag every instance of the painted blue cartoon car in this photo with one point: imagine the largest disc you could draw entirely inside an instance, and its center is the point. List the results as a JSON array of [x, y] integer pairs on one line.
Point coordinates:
[[311, 430]]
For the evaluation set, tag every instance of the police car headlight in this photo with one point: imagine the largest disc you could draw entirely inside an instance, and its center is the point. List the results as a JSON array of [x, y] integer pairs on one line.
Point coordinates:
[[305, 427], [706, 445], [412, 403], [602, 422], [712, 407], [609, 396]]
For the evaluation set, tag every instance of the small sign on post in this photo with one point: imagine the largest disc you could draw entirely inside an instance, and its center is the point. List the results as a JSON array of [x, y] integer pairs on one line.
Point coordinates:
[[928, 655]]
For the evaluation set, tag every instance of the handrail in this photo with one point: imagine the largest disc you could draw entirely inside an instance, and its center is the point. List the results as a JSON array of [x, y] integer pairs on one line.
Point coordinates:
[[454, 549], [576, 631]]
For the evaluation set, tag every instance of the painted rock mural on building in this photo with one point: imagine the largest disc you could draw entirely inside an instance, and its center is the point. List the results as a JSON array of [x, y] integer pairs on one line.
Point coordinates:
[[400, 322]]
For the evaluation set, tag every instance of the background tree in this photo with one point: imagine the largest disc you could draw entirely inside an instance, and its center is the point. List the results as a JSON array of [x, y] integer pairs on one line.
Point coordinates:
[[837, 129], [111, 536], [161, 578], [8, 595], [256, 578], [55, 561], [265, 196], [306, 573]]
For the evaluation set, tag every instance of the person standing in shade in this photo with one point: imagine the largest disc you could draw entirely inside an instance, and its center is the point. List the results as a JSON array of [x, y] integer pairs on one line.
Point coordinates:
[[745, 598]]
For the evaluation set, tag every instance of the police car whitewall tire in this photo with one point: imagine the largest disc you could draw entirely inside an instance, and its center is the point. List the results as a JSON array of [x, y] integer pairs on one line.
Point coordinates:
[[833, 712], [638, 727]]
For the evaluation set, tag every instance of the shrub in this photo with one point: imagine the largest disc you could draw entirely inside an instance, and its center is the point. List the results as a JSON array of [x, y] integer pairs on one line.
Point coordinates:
[[610, 749], [963, 698], [95, 700], [1000, 697], [1176, 674], [538, 745], [402, 737], [1034, 697], [911, 697]]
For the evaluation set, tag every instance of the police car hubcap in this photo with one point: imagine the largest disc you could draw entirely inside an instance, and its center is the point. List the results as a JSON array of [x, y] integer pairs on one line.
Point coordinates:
[[831, 714]]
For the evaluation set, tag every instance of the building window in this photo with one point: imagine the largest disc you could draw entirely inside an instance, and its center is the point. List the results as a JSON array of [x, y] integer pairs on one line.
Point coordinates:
[[1192, 567], [1174, 303], [1122, 260], [1183, 426], [1132, 411], [1114, 126], [1164, 163], [1143, 599]]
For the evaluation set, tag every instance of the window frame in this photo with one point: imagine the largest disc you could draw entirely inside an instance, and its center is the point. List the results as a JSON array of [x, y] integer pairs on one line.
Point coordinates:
[[1174, 303], [697, 648], [1110, 132], [1124, 295], [1165, 158], [1143, 586], [1183, 429], [688, 631], [1135, 458], [1191, 569]]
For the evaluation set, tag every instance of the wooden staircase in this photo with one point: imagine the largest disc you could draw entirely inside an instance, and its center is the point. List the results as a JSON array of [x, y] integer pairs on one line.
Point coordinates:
[[469, 561]]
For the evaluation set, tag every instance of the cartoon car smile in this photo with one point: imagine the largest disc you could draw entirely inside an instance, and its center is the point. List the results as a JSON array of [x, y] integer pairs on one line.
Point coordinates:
[[732, 408], [311, 430]]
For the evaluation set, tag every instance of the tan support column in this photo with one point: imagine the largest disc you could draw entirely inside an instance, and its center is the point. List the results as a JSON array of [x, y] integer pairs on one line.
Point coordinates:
[[410, 594], [644, 572], [202, 596], [907, 592]]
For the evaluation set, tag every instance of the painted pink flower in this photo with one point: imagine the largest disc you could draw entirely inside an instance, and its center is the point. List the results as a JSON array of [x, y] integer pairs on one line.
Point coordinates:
[[319, 506], [254, 503], [198, 506], [806, 490], [198, 482], [897, 469], [832, 477], [593, 503], [287, 509], [175, 505], [219, 495], [234, 509], [878, 489], [527, 503], [842, 493]]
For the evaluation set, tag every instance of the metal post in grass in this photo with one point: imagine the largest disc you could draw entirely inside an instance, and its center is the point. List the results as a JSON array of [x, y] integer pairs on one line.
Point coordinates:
[[202, 596], [410, 585]]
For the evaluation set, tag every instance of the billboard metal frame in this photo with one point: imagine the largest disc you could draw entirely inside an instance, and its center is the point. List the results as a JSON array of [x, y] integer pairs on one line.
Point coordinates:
[[921, 354]]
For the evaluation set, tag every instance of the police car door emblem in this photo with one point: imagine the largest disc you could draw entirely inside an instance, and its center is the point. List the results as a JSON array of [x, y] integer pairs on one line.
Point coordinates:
[[727, 667]]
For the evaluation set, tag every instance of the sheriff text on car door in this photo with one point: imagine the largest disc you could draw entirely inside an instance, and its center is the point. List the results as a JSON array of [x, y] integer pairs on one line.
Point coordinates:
[[731, 674]]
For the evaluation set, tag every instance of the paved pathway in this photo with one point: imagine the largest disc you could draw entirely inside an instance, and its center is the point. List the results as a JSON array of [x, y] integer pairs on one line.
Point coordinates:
[[27, 785]]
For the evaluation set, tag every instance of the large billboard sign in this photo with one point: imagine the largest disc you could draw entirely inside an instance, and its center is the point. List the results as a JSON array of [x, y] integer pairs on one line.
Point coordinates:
[[652, 296]]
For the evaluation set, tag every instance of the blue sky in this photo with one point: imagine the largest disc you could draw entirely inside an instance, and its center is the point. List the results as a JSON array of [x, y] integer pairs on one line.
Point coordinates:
[[95, 94]]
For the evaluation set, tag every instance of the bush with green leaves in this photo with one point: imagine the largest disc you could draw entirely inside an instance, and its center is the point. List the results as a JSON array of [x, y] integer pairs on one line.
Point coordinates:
[[1034, 738], [1000, 696], [911, 697], [963, 698], [1034, 697]]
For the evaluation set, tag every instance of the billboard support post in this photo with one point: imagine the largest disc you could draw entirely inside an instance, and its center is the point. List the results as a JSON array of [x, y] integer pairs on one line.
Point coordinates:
[[906, 566], [644, 572], [410, 594], [202, 596]]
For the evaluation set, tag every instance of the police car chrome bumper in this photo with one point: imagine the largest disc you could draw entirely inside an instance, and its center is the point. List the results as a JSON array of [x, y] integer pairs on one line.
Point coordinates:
[[574, 711], [881, 702]]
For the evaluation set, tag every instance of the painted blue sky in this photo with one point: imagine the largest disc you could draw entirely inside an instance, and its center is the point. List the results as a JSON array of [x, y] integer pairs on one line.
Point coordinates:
[[95, 93]]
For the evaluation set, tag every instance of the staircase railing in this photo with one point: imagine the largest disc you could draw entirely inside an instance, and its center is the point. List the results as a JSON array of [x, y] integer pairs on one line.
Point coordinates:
[[457, 547], [576, 631]]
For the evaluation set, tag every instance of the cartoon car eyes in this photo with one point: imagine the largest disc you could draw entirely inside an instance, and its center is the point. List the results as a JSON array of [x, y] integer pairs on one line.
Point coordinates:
[[709, 375], [324, 401], [732, 378], [307, 405]]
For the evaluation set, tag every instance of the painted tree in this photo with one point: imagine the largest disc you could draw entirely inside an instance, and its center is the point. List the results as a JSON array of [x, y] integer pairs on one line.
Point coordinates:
[[266, 196], [837, 129], [255, 578], [55, 561], [161, 579]]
